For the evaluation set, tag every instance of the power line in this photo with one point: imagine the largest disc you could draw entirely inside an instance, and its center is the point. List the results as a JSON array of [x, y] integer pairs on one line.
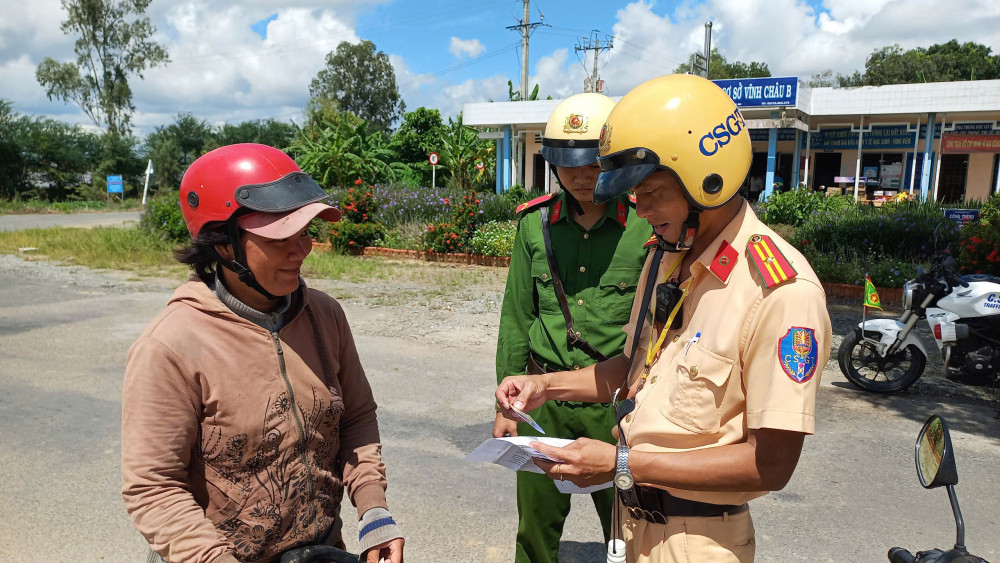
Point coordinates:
[[592, 84]]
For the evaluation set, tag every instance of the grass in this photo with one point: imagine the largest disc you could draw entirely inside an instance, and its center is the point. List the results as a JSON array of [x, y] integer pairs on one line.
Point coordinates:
[[42, 206], [132, 250]]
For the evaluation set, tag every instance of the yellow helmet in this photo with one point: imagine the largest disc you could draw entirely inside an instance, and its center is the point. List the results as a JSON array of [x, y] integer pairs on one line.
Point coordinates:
[[574, 129], [682, 123]]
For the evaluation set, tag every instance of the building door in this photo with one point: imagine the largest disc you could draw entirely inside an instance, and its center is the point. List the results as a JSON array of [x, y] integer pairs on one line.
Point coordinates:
[[538, 174], [954, 172], [827, 167]]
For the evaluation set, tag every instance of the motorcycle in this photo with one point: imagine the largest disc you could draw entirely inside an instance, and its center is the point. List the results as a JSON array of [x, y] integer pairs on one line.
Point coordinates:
[[963, 312], [936, 468]]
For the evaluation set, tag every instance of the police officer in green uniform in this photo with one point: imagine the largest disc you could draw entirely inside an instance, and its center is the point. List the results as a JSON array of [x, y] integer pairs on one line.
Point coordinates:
[[564, 306]]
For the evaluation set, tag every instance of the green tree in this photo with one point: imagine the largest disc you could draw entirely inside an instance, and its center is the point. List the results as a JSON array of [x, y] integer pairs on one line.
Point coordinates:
[[173, 147], [416, 138], [113, 43], [338, 153], [11, 159], [359, 80], [944, 62], [720, 69], [460, 148], [269, 132]]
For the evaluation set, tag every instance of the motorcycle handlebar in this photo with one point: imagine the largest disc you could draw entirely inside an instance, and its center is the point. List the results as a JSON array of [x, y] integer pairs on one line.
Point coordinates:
[[900, 555]]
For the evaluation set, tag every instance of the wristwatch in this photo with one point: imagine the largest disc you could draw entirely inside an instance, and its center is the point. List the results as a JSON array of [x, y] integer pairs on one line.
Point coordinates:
[[623, 478]]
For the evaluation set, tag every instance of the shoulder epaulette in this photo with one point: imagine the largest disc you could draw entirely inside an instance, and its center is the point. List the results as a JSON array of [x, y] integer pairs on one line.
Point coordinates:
[[650, 243], [535, 203], [631, 199], [771, 264]]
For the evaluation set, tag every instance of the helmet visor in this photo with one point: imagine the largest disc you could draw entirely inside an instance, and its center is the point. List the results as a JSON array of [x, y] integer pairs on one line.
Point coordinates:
[[570, 153], [622, 171], [291, 191]]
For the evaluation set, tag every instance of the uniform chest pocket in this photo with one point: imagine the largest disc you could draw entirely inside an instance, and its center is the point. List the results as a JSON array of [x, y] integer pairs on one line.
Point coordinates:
[[542, 278], [617, 290], [699, 387]]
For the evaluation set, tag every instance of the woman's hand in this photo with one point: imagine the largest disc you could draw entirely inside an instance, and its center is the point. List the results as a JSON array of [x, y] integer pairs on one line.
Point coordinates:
[[391, 551], [503, 427], [523, 392], [585, 462]]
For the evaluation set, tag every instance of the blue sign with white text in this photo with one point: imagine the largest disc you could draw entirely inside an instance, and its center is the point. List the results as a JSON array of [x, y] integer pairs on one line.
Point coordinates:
[[962, 216], [761, 92], [114, 184]]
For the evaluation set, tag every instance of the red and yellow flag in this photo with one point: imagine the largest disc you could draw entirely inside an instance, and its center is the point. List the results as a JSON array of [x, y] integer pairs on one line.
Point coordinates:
[[871, 296]]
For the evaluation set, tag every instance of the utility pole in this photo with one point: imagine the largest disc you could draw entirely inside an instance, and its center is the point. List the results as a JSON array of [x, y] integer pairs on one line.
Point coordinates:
[[525, 27], [591, 84], [703, 60]]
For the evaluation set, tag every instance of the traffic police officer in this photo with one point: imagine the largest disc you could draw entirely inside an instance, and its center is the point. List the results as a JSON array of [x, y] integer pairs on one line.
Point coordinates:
[[565, 302], [721, 375]]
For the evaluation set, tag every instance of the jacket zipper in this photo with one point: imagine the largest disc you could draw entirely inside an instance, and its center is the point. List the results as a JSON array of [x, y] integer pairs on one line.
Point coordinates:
[[298, 422]]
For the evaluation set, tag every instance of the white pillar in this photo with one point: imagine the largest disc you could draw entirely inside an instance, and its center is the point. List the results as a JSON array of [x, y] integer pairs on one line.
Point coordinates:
[[548, 175], [937, 166], [805, 170], [913, 171], [857, 168]]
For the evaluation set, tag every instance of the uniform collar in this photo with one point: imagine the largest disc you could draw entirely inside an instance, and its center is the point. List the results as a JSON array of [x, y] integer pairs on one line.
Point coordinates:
[[615, 210], [723, 254]]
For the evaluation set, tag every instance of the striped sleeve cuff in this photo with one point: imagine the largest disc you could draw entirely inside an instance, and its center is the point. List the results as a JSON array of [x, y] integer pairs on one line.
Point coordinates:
[[376, 527]]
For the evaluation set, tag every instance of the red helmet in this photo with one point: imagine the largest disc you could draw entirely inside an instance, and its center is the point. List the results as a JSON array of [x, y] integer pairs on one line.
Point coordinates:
[[251, 176]]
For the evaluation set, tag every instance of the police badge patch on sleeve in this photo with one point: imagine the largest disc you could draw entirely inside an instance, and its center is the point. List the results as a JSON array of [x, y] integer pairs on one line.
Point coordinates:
[[798, 353]]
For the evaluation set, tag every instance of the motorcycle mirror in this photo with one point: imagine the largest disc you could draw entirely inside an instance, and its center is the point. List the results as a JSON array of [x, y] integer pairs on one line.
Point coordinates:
[[934, 456]]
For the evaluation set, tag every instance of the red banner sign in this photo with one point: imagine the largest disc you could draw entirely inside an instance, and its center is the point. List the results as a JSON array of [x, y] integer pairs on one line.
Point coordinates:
[[952, 143]]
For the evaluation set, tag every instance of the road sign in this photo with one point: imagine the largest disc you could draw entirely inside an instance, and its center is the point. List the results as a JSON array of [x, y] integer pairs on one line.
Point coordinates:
[[114, 184], [479, 164], [433, 158]]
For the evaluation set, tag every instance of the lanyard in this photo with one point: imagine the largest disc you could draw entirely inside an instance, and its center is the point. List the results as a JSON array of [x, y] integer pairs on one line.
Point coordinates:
[[652, 350]]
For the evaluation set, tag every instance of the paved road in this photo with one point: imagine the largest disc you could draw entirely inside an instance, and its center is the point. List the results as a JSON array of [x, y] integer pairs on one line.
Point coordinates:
[[42, 220], [64, 333]]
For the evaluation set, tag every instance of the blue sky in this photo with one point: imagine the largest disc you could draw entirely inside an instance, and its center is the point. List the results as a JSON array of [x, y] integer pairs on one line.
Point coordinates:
[[254, 59]]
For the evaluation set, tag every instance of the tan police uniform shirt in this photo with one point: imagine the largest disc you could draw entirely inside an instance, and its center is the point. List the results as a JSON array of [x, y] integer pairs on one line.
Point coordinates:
[[741, 373]]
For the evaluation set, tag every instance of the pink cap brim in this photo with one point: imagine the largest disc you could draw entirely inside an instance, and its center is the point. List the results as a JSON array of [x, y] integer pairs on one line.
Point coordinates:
[[284, 225]]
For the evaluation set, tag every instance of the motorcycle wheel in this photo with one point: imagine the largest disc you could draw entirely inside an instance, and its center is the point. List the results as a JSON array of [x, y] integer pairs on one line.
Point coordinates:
[[865, 368]]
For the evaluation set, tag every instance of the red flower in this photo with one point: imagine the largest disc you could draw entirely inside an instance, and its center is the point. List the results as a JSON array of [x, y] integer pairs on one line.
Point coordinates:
[[446, 202], [358, 182]]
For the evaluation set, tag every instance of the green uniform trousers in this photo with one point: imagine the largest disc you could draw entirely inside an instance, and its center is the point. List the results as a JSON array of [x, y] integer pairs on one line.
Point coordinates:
[[541, 508]]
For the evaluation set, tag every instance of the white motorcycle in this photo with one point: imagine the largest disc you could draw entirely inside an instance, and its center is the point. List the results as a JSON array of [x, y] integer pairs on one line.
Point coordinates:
[[963, 312]]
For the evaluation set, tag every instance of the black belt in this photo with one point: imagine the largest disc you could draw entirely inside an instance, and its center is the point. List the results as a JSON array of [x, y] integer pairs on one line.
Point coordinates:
[[656, 505], [537, 367]]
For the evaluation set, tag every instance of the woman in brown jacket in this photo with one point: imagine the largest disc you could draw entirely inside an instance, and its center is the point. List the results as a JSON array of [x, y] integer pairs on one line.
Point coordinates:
[[246, 412]]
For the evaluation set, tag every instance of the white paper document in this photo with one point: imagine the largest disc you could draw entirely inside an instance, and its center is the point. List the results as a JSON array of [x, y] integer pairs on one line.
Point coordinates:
[[513, 452]]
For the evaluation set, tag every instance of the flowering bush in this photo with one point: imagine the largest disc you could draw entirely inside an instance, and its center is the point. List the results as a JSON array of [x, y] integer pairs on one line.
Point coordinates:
[[400, 204], [979, 249], [445, 237], [794, 207], [163, 218], [494, 239], [358, 205], [349, 237]]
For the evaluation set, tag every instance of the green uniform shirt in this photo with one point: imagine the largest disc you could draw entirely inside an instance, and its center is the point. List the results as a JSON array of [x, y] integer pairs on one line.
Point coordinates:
[[599, 269]]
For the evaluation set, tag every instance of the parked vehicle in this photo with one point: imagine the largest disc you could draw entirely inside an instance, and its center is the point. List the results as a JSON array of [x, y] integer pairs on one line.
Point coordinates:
[[963, 312], [936, 468]]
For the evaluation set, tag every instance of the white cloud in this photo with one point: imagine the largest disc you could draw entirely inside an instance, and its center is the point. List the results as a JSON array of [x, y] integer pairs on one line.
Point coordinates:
[[470, 47]]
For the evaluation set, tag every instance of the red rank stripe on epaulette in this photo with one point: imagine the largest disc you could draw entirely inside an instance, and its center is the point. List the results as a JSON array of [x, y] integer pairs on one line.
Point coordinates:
[[724, 261], [556, 212], [650, 242], [533, 202], [622, 213], [771, 264]]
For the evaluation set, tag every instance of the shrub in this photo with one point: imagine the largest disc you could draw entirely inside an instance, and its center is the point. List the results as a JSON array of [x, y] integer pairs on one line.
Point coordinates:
[[979, 249], [445, 237], [163, 218], [991, 210], [850, 267], [409, 236], [347, 236], [904, 231], [796, 206], [494, 239], [358, 205]]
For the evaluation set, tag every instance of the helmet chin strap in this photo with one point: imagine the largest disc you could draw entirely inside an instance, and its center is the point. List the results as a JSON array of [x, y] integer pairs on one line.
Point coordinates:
[[238, 264], [689, 231]]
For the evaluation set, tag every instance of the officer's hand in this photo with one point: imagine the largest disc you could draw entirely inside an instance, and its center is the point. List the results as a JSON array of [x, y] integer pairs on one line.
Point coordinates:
[[503, 427], [390, 551], [523, 392], [585, 462]]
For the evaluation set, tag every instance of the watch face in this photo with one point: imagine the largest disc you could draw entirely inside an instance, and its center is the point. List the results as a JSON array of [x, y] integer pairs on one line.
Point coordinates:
[[624, 481]]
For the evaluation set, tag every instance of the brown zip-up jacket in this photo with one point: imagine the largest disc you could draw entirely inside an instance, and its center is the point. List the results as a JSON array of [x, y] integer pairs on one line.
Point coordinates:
[[237, 443]]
